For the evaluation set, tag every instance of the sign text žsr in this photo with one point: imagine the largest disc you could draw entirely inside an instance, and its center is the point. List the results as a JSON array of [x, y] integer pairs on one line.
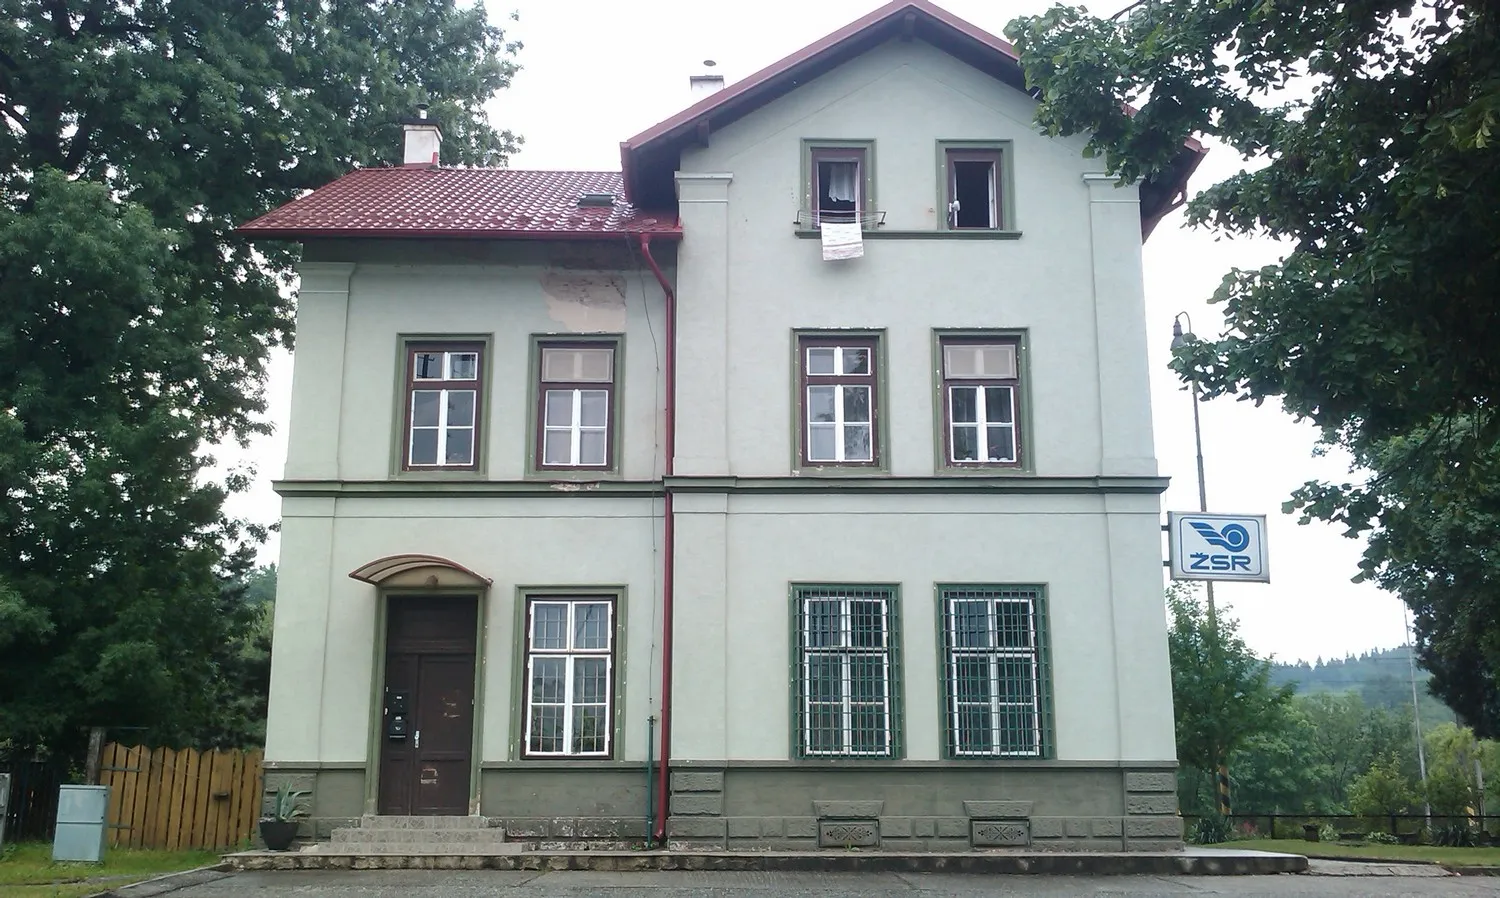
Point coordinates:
[[1206, 546]]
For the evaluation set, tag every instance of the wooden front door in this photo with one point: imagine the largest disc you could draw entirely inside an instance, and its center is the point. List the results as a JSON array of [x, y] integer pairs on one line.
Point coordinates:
[[427, 730]]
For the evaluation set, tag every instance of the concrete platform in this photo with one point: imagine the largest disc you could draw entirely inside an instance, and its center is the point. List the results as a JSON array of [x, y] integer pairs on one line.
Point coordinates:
[[1190, 862]]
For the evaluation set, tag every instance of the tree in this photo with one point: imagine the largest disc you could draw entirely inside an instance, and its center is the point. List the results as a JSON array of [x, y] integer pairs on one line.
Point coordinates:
[[1372, 129], [135, 326], [1221, 691], [1382, 790], [1452, 753]]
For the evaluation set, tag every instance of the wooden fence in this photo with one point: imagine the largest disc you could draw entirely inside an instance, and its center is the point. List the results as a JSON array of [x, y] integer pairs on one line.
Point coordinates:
[[160, 798]]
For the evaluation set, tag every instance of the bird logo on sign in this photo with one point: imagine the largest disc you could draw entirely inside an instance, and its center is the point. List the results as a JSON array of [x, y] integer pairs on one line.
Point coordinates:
[[1233, 537]]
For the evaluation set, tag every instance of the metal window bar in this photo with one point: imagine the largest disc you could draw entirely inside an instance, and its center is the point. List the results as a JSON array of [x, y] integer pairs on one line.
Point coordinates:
[[848, 672], [569, 668], [995, 672]]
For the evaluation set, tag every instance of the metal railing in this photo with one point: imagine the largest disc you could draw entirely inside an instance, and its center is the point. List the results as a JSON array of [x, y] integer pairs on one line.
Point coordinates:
[[1406, 828]]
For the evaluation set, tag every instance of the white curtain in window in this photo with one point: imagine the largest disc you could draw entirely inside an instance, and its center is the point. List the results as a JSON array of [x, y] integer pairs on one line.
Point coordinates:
[[841, 181]]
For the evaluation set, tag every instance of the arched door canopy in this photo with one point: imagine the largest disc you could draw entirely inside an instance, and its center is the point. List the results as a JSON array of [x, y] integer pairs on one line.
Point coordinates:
[[428, 571]]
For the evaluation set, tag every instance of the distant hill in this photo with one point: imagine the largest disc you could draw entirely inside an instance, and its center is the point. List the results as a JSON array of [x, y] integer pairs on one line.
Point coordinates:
[[1381, 677]]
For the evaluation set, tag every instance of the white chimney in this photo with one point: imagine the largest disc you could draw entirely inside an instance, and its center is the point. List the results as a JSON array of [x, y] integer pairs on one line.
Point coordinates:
[[700, 86], [423, 139]]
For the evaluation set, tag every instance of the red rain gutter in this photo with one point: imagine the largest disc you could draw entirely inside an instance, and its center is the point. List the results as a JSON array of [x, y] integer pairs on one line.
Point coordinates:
[[663, 793]]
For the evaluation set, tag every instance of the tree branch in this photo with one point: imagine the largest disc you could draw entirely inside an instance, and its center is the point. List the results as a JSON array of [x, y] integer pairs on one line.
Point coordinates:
[[1136, 5], [79, 147]]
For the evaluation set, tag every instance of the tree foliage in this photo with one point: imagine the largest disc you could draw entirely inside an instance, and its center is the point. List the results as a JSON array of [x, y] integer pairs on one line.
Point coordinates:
[[1221, 691], [135, 327], [1371, 129]]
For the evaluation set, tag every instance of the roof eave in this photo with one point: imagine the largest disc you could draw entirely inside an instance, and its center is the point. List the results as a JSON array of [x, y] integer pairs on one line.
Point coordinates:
[[268, 233]]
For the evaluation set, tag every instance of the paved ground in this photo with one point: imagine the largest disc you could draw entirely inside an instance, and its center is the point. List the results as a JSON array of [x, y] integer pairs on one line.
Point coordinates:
[[425, 884]]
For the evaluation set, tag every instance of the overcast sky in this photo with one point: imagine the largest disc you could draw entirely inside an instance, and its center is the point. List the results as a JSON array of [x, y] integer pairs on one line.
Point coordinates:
[[595, 72]]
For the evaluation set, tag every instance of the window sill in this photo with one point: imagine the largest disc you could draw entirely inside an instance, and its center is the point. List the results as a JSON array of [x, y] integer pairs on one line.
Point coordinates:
[[440, 474], [984, 471], [887, 234], [566, 475], [879, 471]]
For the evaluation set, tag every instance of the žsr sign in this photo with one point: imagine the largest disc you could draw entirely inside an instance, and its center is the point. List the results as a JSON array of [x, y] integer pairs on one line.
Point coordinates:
[[1206, 546]]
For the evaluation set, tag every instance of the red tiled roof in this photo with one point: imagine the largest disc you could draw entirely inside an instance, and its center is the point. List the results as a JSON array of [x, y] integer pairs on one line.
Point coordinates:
[[422, 201]]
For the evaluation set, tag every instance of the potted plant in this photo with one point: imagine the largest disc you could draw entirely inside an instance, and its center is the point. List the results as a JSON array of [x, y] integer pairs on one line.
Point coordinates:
[[279, 828]]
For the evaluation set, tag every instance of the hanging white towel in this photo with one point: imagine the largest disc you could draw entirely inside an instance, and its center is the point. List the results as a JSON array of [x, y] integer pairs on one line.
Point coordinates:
[[842, 240], [841, 181]]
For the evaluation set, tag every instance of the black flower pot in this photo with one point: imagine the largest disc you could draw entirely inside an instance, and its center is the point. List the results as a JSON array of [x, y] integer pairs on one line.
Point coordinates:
[[278, 834]]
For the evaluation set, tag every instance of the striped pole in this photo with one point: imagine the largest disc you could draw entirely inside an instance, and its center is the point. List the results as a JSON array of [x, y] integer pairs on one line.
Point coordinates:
[[1224, 808]]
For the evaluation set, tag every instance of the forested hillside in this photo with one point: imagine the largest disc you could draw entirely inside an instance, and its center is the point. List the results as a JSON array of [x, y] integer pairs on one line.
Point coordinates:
[[1381, 677]]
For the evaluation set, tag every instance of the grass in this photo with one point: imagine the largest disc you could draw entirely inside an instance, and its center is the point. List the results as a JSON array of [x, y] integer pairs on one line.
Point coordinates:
[[1471, 857], [27, 870]]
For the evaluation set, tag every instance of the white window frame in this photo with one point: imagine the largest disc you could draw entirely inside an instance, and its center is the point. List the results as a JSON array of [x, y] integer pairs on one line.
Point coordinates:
[[845, 652], [570, 657], [982, 424], [839, 423], [576, 428], [994, 655], [440, 460]]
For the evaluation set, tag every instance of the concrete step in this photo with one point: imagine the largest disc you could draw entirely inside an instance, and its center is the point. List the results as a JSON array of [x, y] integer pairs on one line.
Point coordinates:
[[415, 849], [455, 837], [372, 821]]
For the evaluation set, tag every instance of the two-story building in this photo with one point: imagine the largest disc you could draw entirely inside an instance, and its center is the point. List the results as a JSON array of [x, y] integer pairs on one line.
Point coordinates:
[[794, 485]]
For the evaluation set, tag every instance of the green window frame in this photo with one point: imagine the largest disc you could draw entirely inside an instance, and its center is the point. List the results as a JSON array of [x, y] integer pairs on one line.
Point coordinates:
[[837, 150], [443, 353], [568, 394], [996, 671], [846, 671], [992, 161], [846, 401]]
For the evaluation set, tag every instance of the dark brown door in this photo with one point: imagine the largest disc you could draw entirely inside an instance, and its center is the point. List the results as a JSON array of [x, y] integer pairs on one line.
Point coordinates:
[[427, 728]]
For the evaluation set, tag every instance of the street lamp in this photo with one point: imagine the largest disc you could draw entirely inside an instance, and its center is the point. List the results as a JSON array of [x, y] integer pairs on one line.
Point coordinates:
[[1179, 338]]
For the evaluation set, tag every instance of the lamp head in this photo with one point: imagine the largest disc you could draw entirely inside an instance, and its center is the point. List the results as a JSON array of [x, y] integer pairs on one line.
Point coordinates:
[[1177, 338]]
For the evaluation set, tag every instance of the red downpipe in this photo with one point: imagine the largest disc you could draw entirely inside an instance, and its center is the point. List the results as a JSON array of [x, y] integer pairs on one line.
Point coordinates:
[[663, 793]]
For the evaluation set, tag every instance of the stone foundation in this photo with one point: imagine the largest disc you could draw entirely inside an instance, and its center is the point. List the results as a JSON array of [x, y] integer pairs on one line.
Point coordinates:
[[901, 807]]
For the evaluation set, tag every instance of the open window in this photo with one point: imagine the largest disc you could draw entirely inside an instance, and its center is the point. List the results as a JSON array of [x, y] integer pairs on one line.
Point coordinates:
[[973, 189], [839, 183]]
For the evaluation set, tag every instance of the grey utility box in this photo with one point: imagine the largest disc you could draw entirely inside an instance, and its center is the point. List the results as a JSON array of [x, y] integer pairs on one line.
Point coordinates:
[[4, 804], [81, 823]]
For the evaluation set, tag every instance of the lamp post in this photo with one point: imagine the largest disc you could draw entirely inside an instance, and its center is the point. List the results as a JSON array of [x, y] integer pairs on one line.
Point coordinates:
[[1178, 339]]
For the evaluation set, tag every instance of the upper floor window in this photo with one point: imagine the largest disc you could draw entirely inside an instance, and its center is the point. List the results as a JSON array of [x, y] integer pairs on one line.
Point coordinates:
[[444, 388], [839, 400], [840, 183], [974, 186], [576, 406], [980, 401]]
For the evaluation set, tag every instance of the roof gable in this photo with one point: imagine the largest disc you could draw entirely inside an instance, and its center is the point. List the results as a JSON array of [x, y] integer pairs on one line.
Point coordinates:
[[650, 158]]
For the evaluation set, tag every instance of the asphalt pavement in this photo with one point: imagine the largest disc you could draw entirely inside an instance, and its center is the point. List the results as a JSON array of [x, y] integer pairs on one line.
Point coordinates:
[[518, 884]]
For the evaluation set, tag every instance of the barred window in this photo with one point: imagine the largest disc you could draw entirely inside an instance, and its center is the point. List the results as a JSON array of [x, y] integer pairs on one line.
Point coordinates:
[[995, 671], [847, 668], [569, 676]]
